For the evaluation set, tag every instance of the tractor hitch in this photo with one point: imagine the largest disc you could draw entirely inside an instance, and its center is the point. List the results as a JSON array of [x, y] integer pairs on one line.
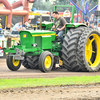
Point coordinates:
[[19, 54], [18, 57]]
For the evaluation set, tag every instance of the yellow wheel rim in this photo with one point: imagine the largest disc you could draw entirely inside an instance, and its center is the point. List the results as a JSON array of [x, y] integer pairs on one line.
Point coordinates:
[[47, 62], [16, 62], [93, 61]]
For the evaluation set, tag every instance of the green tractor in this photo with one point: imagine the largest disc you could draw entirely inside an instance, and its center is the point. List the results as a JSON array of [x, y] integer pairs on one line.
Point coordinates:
[[42, 49]]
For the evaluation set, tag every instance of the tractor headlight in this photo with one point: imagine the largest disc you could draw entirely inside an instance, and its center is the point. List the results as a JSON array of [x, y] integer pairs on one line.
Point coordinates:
[[24, 35], [35, 44]]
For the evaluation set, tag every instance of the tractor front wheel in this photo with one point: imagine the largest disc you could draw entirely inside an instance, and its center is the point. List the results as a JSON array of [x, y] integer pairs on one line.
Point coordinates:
[[45, 61], [13, 64]]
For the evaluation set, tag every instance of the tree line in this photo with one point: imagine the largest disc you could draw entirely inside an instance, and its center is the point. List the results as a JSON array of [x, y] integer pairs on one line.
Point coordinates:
[[47, 5]]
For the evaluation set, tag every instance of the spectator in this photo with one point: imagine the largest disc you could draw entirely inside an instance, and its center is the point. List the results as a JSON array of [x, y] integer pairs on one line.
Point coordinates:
[[84, 22], [99, 26], [17, 27], [8, 28], [24, 26], [59, 25], [38, 21], [50, 20], [87, 23], [91, 25], [29, 23], [0, 25]]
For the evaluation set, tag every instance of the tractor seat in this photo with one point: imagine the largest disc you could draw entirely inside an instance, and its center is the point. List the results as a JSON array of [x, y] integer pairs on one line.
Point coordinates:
[[57, 39]]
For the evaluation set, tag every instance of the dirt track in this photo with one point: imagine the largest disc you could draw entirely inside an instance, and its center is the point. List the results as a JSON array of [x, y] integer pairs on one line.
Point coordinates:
[[90, 92], [26, 73]]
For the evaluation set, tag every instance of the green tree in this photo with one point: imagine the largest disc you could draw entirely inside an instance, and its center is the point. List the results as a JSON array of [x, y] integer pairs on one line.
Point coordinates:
[[43, 5], [62, 2], [14, 1], [39, 4], [46, 0]]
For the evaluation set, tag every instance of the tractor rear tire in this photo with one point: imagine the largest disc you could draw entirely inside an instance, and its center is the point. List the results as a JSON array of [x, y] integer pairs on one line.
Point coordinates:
[[89, 50], [31, 62], [69, 49], [46, 61], [13, 64]]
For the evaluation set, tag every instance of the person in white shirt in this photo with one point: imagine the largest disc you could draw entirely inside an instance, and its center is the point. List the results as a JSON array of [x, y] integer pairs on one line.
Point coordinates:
[[17, 27], [99, 26]]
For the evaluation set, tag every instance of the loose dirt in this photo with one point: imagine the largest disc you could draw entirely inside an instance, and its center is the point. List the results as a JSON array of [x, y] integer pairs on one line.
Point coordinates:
[[90, 92]]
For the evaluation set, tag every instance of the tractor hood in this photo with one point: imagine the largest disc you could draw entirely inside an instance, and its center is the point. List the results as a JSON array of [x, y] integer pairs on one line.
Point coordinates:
[[30, 37], [39, 32]]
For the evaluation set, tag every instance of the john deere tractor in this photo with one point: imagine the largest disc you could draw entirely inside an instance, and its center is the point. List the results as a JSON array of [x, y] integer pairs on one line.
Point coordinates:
[[42, 49]]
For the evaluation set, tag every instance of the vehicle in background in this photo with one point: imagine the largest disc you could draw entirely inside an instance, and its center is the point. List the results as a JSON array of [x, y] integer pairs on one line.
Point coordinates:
[[3, 44], [35, 15], [80, 19]]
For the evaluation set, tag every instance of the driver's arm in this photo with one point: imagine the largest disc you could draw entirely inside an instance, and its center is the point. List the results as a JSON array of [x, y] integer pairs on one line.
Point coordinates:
[[53, 27]]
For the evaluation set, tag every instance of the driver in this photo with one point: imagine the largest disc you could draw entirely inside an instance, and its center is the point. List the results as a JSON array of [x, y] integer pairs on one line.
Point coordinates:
[[59, 25]]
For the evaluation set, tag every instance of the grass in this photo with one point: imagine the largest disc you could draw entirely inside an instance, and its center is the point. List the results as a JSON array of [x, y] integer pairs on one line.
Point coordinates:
[[34, 82]]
